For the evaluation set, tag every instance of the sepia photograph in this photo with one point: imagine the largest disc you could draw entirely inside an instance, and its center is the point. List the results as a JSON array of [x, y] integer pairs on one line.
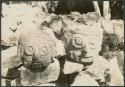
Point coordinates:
[[62, 43]]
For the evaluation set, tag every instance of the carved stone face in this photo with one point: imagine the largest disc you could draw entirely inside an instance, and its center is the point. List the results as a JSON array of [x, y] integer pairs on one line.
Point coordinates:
[[82, 46], [37, 51]]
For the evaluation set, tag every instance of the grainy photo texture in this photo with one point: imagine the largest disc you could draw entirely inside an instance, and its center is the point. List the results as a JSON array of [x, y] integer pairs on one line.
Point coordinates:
[[65, 42]]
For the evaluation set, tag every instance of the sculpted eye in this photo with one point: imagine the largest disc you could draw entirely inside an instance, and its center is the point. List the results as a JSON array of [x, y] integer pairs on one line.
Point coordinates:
[[44, 51], [29, 50], [78, 41]]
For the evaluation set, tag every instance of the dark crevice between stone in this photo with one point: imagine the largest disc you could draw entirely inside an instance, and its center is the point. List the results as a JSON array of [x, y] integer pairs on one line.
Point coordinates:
[[4, 47], [65, 79]]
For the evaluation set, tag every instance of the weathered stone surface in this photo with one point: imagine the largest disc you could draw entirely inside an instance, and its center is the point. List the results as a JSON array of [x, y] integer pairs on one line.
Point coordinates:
[[50, 74], [13, 83], [118, 28], [87, 35], [29, 30], [75, 35], [71, 67], [7, 36], [31, 18], [59, 46], [120, 59], [8, 60], [92, 18], [7, 55], [108, 26], [74, 16], [98, 69], [117, 79], [41, 51], [47, 84], [97, 72], [84, 79], [19, 15]]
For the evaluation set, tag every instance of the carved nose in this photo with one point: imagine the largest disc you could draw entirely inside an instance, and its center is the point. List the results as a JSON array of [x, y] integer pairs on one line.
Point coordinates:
[[14, 30], [85, 52], [35, 58]]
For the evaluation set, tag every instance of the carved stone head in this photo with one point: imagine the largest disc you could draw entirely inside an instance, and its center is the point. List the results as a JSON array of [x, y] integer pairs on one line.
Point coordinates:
[[83, 42], [36, 50]]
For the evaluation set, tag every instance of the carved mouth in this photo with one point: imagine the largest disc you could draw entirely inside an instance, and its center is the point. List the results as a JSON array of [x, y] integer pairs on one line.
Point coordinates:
[[87, 60], [37, 67]]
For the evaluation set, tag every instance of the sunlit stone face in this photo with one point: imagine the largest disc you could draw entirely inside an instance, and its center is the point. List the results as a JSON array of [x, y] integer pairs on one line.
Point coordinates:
[[83, 46], [37, 52]]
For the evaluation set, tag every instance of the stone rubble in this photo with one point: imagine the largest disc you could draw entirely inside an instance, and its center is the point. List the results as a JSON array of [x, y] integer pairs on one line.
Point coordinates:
[[20, 18]]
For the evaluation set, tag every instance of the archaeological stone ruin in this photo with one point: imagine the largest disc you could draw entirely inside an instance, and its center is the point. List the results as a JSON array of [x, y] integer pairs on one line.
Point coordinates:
[[65, 42]]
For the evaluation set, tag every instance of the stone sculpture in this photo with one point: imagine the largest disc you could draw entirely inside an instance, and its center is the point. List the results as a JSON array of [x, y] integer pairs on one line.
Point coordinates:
[[36, 51], [83, 44]]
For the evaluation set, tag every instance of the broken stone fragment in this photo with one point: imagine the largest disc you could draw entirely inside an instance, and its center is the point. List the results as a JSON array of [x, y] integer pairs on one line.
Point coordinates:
[[116, 80], [9, 60], [84, 79], [71, 67], [74, 16], [120, 60], [118, 28], [18, 15], [98, 68], [92, 18], [8, 37], [108, 26]]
